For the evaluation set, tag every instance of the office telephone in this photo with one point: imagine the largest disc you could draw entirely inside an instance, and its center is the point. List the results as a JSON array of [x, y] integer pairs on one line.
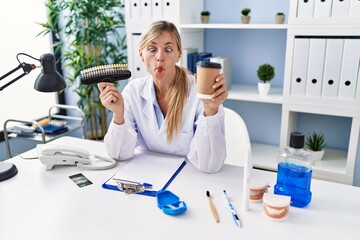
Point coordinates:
[[54, 154]]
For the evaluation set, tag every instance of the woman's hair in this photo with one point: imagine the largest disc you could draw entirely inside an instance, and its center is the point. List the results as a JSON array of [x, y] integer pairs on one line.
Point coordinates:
[[178, 92]]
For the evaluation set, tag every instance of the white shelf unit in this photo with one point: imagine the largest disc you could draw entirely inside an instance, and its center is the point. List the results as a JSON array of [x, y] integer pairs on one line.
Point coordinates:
[[232, 26], [312, 20], [330, 168], [337, 166], [250, 93]]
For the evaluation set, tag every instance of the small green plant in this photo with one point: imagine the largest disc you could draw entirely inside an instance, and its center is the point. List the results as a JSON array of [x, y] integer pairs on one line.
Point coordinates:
[[245, 11], [315, 141], [265, 72], [205, 13], [280, 14]]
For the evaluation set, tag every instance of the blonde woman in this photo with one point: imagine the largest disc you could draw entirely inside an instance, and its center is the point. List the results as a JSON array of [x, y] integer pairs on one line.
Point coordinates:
[[161, 112]]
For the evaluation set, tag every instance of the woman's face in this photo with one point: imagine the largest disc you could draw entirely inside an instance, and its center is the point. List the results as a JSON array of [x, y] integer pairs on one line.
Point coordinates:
[[160, 56]]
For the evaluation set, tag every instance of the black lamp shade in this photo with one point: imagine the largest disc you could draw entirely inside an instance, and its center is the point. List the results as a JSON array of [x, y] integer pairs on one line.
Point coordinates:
[[49, 79]]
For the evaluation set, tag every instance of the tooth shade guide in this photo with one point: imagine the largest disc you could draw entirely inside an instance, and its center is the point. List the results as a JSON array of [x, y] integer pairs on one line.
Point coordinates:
[[105, 73]]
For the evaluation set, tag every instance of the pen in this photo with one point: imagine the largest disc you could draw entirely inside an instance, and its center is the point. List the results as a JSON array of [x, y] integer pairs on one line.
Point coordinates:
[[212, 206], [231, 208]]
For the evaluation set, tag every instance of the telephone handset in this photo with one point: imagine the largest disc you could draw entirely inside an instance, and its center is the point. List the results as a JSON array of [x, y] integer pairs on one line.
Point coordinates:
[[54, 154]]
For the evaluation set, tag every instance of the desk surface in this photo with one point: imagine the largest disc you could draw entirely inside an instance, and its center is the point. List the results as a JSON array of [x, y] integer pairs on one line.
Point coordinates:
[[39, 204]]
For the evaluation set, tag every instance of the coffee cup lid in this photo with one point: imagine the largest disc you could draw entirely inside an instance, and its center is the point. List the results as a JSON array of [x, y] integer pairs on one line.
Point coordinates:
[[208, 64]]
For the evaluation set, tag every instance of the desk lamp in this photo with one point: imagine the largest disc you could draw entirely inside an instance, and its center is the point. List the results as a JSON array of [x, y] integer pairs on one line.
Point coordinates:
[[49, 80]]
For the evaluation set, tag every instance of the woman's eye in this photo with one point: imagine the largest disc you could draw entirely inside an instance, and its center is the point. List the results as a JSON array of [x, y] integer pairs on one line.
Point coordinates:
[[168, 50], [152, 50]]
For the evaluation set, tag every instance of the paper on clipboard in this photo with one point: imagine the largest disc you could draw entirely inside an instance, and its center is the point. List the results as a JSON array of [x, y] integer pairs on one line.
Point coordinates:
[[156, 169]]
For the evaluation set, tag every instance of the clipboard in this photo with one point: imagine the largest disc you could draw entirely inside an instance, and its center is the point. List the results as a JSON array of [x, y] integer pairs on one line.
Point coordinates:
[[154, 168]]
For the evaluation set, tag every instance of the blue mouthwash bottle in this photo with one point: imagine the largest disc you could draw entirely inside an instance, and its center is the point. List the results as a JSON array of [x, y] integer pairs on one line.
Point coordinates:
[[295, 171]]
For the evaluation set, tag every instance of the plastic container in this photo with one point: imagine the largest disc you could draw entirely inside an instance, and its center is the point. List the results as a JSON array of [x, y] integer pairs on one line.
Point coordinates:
[[276, 207], [170, 203], [295, 171]]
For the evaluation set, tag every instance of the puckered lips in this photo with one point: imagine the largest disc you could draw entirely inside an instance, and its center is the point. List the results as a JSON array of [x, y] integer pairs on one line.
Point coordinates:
[[160, 69]]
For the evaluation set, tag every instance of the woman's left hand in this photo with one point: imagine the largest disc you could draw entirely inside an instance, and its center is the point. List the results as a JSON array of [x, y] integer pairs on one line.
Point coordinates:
[[218, 97]]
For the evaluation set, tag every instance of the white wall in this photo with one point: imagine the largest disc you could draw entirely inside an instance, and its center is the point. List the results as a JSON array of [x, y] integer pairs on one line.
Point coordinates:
[[18, 28]]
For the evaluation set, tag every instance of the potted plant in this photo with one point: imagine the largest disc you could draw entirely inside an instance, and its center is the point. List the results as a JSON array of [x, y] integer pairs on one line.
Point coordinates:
[[265, 73], [279, 18], [315, 143], [205, 15], [87, 35], [245, 18]]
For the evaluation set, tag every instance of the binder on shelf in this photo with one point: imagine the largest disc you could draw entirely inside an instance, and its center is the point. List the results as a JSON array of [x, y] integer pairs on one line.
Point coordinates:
[[322, 8], [184, 56], [305, 8], [139, 68], [332, 66], [299, 66], [315, 67], [156, 170], [340, 8], [145, 9], [127, 9], [191, 61], [169, 9], [226, 68], [357, 94], [157, 9], [349, 69], [135, 9], [202, 56], [354, 8]]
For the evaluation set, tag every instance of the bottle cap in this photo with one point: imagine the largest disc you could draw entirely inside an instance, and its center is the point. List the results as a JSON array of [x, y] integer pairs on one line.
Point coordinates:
[[297, 140]]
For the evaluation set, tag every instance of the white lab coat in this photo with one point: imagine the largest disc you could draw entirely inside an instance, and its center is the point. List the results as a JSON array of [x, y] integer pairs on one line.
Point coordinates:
[[201, 139]]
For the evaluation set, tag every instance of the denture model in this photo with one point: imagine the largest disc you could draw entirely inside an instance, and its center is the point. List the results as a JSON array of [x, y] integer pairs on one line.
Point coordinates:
[[257, 190], [276, 206]]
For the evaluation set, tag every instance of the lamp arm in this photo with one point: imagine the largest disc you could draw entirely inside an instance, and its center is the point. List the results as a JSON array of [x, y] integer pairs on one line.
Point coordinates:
[[10, 72], [25, 66]]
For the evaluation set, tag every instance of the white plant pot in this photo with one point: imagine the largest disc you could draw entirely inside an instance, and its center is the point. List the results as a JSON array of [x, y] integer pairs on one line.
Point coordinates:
[[318, 155], [263, 88]]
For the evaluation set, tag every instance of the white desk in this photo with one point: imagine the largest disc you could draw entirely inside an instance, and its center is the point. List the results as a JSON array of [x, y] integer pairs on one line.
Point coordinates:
[[39, 204]]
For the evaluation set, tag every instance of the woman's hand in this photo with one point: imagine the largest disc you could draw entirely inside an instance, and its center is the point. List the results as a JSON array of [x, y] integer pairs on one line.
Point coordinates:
[[218, 97], [112, 99]]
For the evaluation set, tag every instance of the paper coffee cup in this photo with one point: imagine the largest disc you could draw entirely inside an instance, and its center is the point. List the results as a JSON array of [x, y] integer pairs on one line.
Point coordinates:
[[206, 73]]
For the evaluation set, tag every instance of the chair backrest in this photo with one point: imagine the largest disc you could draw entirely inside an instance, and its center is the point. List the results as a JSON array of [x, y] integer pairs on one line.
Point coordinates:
[[238, 146]]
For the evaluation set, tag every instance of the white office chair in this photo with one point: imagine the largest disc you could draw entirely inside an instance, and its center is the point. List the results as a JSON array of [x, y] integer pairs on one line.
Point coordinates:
[[238, 149], [238, 146]]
